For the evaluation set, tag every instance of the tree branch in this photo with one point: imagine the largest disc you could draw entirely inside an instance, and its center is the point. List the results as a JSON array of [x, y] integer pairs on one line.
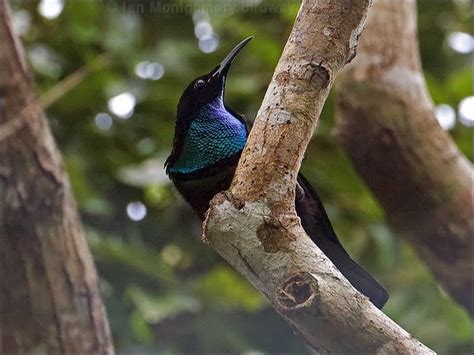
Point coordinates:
[[254, 225], [388, 128], [49, 294]]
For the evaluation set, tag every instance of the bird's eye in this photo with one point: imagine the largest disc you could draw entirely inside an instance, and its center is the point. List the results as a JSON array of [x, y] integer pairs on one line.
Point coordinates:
[[199, 83]]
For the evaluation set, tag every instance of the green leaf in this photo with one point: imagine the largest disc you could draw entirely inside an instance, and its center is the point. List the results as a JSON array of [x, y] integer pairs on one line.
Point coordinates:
[[157, 308], [223, 287]]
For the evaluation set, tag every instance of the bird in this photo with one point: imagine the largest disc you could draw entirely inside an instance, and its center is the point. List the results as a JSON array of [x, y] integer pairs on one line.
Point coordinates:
[[208, 140]]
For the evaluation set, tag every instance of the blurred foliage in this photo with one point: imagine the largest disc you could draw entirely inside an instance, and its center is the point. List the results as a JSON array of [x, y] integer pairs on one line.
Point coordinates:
[[165, 290]]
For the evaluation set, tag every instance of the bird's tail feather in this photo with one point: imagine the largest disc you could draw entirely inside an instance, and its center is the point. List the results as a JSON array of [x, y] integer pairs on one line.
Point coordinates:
[[317, 225], [362, 280]]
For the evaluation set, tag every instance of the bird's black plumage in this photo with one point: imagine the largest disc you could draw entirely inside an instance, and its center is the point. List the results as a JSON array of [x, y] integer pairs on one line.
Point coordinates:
[[209, 138]]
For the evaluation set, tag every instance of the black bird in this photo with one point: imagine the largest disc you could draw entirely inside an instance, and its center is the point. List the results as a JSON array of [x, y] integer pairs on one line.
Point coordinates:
[[209, 138]]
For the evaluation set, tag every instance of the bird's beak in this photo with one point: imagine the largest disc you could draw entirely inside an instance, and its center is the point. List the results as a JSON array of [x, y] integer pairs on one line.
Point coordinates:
[[223, 68]]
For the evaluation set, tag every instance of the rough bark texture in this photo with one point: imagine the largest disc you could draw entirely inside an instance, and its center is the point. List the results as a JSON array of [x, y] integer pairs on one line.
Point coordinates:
[[49, 294], [389, 130], [254, 225]]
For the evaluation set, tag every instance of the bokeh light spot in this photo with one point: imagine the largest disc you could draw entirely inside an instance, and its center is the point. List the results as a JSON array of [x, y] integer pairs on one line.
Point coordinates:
[[21, 21], [103, 121], [50, 9], [461, 42], [136, 211], [446, 116], [466, 111], [171, 254], [122, 105], [202, 29], [208, 44], [200, 16], [150, 71]]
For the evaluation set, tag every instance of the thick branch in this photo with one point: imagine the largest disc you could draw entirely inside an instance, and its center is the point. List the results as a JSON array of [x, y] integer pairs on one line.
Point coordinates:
[[49, 294], [254, 225], [389, 130]]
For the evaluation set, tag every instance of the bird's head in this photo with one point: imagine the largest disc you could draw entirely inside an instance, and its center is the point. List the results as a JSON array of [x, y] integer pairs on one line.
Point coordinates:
[[204, 91], [207, 88]]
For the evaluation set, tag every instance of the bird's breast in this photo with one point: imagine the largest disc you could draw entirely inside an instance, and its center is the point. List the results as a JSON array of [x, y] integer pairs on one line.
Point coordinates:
[[211, 137]]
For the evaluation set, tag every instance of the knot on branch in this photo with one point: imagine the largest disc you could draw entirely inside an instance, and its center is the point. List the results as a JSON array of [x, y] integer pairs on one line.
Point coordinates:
[[318, 75], [297, 291], [274, 237], [310, 76]]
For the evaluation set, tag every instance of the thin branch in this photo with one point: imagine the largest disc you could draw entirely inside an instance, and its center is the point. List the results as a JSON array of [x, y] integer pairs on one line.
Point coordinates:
[[73, 80], [254, 225], [17, 121]]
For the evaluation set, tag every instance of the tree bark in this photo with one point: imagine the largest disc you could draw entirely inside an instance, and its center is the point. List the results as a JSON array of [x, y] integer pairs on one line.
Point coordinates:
[[387, 126], [49, 294], [254, 225]]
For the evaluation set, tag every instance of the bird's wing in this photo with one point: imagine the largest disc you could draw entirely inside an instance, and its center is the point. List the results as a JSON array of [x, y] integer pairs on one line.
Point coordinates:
[[313, 216], [180, 130]]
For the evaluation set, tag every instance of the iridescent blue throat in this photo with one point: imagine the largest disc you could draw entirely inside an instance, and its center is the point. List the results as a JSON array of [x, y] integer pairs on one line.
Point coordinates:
[[213, 135]]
